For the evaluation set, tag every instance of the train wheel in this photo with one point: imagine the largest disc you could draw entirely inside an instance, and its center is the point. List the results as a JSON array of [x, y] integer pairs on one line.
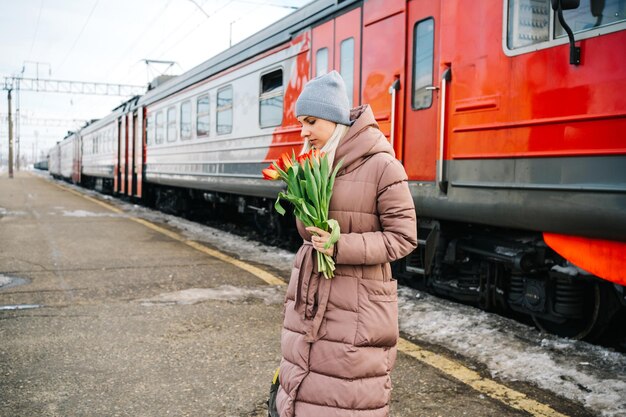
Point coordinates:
[[590, 327], [269, 225]]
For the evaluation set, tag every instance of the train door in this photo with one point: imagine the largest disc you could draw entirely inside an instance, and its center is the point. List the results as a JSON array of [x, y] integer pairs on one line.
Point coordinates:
[[383, 62], [122, 155], [336, 45], [130, 157], [422, 94], [76, 163], [118, 160], [138, 122], [127, 130]]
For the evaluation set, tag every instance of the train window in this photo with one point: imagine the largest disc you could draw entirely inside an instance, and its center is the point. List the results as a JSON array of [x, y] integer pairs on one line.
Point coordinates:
[[321, 62], [271, 99], [529, 22], [591, 14], [159, 135], [224, 111], [171, 124], [346, 68], [150, 130], [202, 116], [423, 46], [185, 120]]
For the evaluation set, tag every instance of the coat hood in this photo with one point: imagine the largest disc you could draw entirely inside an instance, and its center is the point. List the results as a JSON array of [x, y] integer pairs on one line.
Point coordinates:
[[363, 140]]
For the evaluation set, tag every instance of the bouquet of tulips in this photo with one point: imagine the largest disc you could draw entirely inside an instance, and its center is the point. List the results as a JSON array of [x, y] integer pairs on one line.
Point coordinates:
[[309, 188]]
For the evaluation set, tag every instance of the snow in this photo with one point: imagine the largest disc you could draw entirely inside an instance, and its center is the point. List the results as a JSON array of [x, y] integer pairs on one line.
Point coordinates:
[[84, 213], [267, 294], [9, 282], [511, 351], [4, 212], [234, 245], [4, 280], [20, 307]]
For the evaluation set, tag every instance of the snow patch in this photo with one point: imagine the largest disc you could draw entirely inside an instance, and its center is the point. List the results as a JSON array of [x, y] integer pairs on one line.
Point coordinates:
[[10, 282], [592, 375], [267, 294], [4, 280], [84, 213], [4, 212], [237, 246]]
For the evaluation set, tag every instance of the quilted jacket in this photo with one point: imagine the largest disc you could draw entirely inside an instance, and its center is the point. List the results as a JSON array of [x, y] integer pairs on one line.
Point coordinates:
[[339, 336]]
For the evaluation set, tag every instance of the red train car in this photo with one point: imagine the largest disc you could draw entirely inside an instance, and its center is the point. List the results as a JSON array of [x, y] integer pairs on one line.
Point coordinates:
[[515, 153], [516, 156]]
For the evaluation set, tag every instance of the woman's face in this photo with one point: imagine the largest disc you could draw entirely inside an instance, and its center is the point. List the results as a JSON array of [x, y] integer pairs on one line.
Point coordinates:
[[316, 130]]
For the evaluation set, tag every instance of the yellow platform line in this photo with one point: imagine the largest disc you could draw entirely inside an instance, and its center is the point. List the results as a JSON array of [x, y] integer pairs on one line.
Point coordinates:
[[258, 272], [510, 397]]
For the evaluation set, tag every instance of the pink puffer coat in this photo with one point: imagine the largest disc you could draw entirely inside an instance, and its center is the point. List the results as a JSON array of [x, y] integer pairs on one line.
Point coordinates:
[[339, 336]]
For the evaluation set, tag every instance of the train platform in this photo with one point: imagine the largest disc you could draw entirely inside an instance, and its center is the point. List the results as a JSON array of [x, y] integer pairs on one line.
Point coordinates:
[[107, 313]]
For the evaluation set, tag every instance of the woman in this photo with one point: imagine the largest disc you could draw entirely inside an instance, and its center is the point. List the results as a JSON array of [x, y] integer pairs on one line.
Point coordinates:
[[339, 335]]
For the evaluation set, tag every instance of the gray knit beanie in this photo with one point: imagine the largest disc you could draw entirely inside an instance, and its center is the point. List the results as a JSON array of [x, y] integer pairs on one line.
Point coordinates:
[[325, 97]]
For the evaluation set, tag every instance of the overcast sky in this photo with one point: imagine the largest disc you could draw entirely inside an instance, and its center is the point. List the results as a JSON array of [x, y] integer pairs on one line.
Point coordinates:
[[108, 41]]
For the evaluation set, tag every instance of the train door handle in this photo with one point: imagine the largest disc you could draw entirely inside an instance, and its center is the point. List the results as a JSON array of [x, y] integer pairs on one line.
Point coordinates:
[[446, 77], [432, 88], [395, 86]]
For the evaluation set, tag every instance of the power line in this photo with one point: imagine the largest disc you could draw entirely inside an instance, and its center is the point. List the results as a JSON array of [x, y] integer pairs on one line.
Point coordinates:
[[265, 3], [113, 68], [80, 33], [168, 36], [36, 30]]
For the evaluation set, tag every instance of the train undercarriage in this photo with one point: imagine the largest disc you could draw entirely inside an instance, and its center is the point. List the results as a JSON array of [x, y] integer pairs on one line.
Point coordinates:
[[512, 273], [214, 208]]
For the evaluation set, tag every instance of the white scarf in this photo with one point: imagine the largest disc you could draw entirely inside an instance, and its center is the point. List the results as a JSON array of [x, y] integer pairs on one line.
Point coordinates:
[[331, 146]]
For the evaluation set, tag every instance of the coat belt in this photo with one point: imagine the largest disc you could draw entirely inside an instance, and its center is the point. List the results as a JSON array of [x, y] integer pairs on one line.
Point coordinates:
[[313, 291]]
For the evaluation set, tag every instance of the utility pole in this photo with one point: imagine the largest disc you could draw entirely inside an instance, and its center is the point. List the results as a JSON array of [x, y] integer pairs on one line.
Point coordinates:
[[17, 123], [10, 137]]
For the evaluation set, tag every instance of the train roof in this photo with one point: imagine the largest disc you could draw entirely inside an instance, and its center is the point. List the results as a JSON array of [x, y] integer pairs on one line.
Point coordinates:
[[111, 117], [274, 35]]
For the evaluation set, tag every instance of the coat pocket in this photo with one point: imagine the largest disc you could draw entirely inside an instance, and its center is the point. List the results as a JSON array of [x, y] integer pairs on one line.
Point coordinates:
[[377, 323]]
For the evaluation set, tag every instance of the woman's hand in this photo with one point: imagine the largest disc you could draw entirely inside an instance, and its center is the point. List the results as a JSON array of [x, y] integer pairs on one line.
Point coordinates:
[[319, 239]]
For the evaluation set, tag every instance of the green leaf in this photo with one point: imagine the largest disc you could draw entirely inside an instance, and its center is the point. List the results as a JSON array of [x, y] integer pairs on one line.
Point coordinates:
[[278, 207], [334, 234], [292, 186], [324, 183], [318, 181], [331, 181], [311, 189], [324, 167]]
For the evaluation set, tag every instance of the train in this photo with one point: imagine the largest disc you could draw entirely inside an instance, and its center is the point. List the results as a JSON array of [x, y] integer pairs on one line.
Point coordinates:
[[508, 116]]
